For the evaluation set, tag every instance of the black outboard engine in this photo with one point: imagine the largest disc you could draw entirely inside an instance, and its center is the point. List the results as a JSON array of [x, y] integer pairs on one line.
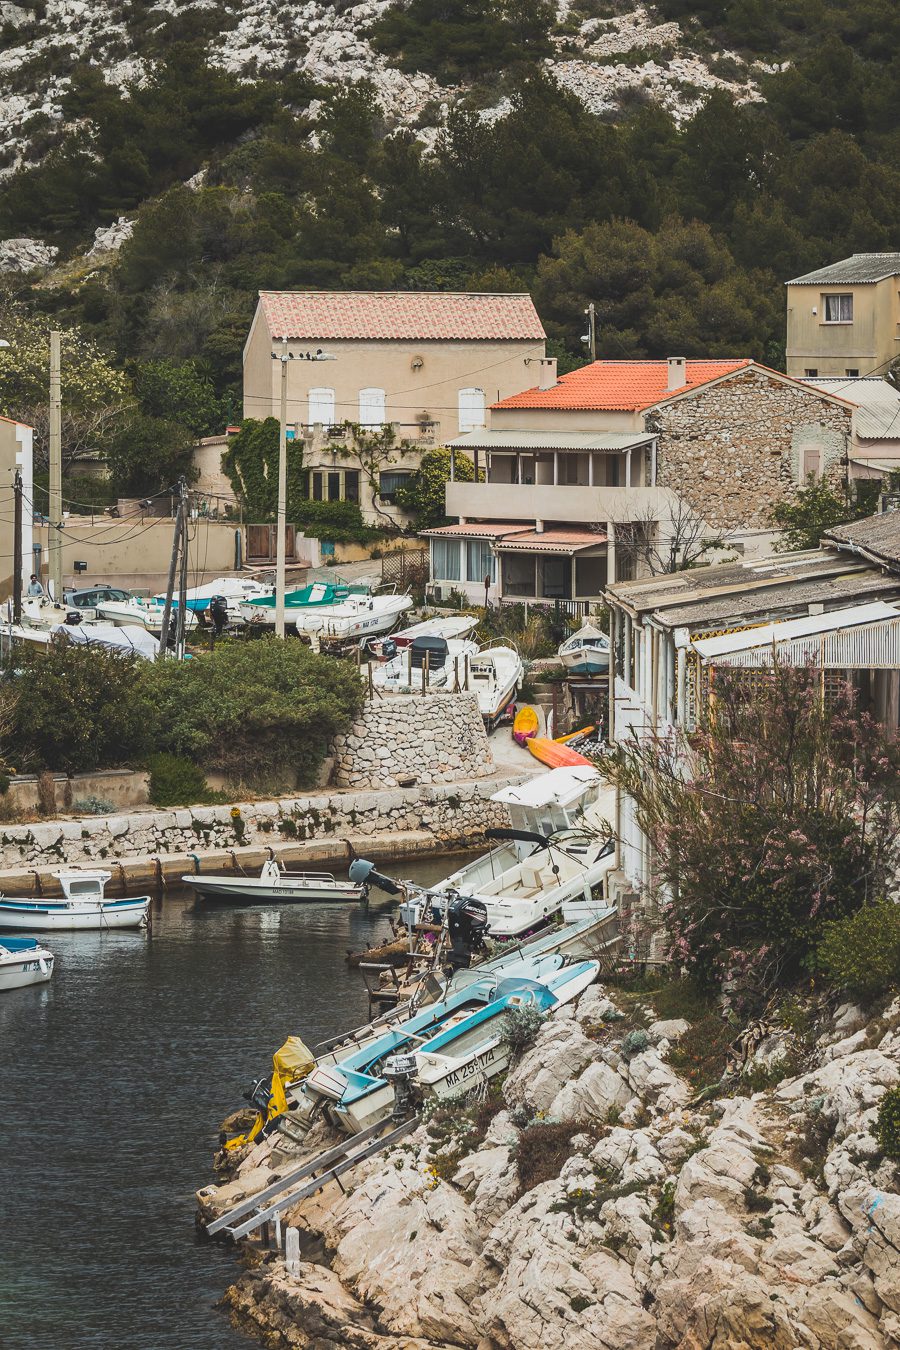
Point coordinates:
[[218, 612], [467, 924], [362, 873]]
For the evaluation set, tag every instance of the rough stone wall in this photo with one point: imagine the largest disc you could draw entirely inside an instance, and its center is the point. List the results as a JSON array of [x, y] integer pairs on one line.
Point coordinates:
[[438, 738], [736, 449], [456, 814]]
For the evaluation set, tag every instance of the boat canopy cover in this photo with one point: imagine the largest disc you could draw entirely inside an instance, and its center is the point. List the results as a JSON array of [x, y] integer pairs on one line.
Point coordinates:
[[129, 639], [294, 1060], [560, 787]]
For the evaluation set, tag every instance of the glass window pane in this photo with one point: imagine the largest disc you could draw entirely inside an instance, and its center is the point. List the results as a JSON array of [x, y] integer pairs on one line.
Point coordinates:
[[334, 487], [445, 559], [351, 485], [317, 487]]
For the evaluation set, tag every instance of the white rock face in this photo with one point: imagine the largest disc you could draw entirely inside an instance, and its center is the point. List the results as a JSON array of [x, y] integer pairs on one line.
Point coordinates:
[[25, 255], [111, 238]]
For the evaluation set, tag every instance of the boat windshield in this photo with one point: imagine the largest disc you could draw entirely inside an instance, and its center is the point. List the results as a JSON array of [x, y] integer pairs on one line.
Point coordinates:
[[89, 886]]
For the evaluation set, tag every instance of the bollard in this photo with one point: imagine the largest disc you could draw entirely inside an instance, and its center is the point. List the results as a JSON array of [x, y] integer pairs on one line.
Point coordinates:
[[292, 1251]]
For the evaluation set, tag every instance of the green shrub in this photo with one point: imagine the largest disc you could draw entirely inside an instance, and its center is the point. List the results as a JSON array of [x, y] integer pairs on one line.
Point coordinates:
[[176, 781], [520, 1026], [887, 1127], [862, 953]]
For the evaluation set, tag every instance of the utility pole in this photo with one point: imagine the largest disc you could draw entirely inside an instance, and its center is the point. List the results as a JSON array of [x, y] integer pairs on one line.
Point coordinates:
[[55, 505], [182, 581], [173, 562], [17, 548], [590, 337], [281, 513]]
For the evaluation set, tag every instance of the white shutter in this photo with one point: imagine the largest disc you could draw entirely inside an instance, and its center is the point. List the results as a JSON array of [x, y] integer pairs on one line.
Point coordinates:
[[321, 407], [371, 407], [471, 409]]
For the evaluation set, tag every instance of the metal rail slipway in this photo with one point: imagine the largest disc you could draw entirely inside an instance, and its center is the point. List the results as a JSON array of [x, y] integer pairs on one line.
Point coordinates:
[[303, 1181]]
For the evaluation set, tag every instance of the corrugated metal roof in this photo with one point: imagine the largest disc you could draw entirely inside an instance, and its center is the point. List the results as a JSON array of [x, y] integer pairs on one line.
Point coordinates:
[[786, 629], [877, 402], [552, 541], [858, 269], [585, 441], [738, 610], [877, 536], [427, 316], [702, 584]]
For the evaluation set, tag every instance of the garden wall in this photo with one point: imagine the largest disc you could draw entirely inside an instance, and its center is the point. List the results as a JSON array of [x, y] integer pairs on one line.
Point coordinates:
[[121, 788], [453, 815], [397, 738]]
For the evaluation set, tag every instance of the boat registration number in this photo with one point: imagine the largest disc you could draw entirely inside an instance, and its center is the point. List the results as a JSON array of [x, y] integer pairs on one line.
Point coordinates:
[[31, 965], [471, 1069]]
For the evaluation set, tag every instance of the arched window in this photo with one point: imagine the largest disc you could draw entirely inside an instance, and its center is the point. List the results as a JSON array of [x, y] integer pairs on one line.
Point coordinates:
[[321, 407], [471, 409], [371, 407]]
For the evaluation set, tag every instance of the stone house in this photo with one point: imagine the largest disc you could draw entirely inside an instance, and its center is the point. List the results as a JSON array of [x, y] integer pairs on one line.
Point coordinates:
[[624, 449], [425, 363], [844, 319]]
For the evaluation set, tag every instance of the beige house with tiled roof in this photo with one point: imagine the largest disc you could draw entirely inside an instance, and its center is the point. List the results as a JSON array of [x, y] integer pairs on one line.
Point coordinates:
[[427, 362]]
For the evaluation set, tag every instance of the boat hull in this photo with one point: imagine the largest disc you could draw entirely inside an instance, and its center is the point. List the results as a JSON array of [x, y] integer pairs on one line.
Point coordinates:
[[553, 754], [59, 916], [257, 891], [18, 969], [586, 662]]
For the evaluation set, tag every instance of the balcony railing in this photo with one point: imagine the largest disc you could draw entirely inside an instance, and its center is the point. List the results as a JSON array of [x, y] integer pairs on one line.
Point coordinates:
[[534, 501]]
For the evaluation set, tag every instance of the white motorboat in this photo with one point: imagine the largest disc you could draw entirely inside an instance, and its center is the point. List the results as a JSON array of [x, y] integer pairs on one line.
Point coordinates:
[[356, 616], [23, 961], [558, 851], [586, 652], [83, 906], [275, 883], [432, 661], [450, 628], [108, 604], [493, 675]]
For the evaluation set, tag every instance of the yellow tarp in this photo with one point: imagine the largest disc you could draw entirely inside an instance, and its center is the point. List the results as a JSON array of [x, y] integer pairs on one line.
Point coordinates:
[[291, 1062]]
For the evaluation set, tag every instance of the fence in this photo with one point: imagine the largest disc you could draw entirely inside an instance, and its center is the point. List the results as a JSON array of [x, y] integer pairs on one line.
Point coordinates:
[[406, 568], [571, 609]]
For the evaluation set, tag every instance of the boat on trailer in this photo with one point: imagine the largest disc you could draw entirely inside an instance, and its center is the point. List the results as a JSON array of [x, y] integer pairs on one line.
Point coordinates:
[[586, 652], [84, 906], [493, 676], [275, 883], [23, 961]]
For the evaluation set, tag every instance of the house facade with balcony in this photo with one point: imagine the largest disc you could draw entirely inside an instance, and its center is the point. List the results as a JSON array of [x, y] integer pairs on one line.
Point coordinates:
[[844, 319], [620, 457], [426, 363]]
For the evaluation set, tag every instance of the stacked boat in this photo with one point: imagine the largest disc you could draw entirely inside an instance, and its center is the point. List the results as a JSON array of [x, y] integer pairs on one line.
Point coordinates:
[[333, 612]]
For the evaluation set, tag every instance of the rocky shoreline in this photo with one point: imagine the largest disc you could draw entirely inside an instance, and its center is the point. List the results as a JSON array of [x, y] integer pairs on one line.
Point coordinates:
[[592, 1200]]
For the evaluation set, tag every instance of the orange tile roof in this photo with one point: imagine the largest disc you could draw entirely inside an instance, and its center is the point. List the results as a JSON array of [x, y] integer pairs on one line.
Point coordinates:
[[621, 386], [475, 529], [427, 316]]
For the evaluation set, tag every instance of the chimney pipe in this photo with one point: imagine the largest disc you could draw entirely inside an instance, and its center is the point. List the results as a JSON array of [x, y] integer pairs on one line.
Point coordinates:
[[677, 372], [547, 377]]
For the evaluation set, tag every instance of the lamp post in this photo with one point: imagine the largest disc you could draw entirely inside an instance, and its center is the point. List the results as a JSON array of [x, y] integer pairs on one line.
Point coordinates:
[[285, 356]]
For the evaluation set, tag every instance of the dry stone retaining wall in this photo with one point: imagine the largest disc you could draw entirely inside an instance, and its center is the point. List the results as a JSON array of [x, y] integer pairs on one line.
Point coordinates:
[[455, 814], [736, 449], [438, 738]]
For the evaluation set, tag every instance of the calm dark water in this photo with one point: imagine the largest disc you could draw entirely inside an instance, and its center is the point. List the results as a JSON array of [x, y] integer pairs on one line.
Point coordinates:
[[114, 1079]]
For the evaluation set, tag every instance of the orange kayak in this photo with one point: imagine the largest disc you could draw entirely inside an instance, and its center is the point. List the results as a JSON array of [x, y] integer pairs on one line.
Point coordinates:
[[554, 755]]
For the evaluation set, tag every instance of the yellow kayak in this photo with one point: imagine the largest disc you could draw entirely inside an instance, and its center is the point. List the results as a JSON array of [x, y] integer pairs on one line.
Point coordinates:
[[525, 725]]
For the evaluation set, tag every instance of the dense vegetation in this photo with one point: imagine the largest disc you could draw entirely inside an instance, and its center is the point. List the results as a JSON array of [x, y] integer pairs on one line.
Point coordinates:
[[681, 235], [262, 713]]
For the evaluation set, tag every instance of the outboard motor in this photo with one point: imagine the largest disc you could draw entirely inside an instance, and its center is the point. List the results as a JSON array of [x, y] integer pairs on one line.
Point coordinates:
[[400, 1070], [432, 648], [362, 873], [467, 924]]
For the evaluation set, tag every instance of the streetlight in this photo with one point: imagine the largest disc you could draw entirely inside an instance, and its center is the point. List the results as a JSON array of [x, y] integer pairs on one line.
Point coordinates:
[[285, 356]]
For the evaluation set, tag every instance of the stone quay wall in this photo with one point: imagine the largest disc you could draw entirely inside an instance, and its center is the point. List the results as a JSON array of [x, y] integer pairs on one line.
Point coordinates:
[[454, 815], [410, 738], [735, 450]]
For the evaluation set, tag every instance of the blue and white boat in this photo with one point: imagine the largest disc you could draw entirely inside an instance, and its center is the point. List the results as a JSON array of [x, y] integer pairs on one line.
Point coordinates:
[[585, 652], [23, 961], [448, 1048], [83, 906]]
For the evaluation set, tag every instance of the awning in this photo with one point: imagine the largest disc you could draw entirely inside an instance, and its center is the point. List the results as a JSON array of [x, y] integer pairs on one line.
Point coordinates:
[[527, 442], [566, 542], [882, 465], [476, 529]]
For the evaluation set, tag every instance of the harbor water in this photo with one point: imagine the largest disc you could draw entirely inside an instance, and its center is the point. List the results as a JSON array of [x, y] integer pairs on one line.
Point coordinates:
[[115, 1079]]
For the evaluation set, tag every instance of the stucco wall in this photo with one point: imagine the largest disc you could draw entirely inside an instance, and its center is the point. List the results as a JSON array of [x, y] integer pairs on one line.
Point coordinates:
[[734, 450], [866, 344], [438, 738], [137, 552]]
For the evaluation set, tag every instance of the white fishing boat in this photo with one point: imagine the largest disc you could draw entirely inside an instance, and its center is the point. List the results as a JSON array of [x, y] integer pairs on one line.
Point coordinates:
[[586, 652], [23, 961], [558, 850], [108, 604], [83, 906], [448, 1048], [493, 676], [275, 883], [433, 661]]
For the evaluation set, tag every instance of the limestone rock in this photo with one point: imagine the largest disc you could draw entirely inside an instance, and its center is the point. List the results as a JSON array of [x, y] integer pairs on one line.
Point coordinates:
[[26, 255], [559, 1053]]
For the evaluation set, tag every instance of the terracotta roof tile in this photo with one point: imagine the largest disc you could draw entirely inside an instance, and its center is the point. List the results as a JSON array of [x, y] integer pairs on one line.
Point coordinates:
[[622, 386], [427, 316]]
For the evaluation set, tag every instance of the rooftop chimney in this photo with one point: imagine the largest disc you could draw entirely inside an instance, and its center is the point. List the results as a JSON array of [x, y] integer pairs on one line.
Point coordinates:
[[677, 372], [547, 376]]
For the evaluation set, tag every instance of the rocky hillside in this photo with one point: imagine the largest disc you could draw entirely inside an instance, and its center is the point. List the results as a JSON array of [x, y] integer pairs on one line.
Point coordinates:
[[598, 1203]]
